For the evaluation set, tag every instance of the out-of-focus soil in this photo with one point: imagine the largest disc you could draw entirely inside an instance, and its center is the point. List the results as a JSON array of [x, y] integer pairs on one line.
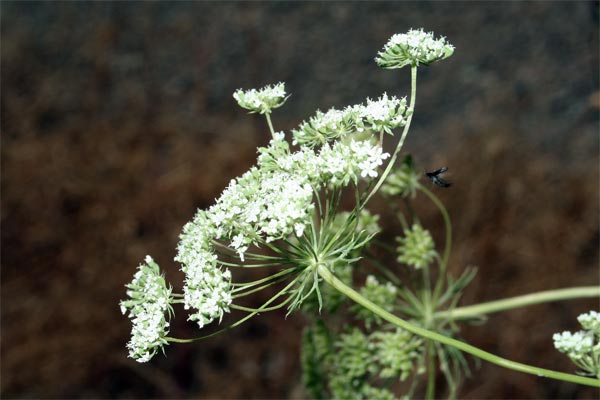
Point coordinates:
[[118, 123]]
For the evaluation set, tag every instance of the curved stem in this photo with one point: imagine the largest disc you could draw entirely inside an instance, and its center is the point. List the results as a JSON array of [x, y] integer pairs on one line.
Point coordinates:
[[448, 225], [411, 109], [447, 245], [519, 301], [484, 355]]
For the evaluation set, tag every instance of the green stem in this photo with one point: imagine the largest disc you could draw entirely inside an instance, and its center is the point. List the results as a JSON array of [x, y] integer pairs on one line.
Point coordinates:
[[448, 245], [354, 295], [239, 322], [411, 108], [448, 241], [520, 301], [430, 394], [268, 116]]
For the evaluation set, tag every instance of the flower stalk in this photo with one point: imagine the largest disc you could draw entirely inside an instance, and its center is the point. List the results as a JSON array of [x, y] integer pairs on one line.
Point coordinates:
[[332, 280], [469, 312]]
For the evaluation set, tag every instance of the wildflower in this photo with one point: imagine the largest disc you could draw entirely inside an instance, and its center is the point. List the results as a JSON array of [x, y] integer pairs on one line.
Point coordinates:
[[207, 289], [590, 322], [413, 48], [263, 100], [323, 128], [583, 347], [416, 247], [383, 114], [149, 300]]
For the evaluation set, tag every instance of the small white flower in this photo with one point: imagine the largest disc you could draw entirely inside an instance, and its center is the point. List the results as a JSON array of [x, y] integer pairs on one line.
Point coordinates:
[[149, 306], [323, 128], [383, 114], [576, 345], [263, 100], [590, 322], [583, 347]]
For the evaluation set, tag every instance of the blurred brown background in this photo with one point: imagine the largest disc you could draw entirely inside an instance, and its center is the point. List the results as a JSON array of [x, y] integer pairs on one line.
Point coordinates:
[[118, 122]]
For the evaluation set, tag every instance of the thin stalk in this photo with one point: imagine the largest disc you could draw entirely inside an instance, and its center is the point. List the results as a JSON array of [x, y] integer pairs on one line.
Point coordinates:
[[250, 309], [268, 116], [467, 348], [247, 317], [519, 301], [411, 108], [245, 285], [448, 241], [430, 393], [448, 244]]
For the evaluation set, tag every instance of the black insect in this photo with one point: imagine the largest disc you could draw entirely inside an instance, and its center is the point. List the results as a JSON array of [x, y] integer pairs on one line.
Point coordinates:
[[436, 179]]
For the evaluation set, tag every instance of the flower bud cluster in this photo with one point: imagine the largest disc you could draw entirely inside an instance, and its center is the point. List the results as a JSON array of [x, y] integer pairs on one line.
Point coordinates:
[[413, 48], [401, 181], [381, 115], [149, 300], [263, 100], [416, 247], [583, 347], [384, 295]]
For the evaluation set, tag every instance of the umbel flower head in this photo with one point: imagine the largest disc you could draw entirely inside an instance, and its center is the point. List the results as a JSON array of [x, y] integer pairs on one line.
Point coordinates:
[[413, 48], [416, 247], [272, 201], [376, 116], [583, 347], [261, 101], [149, 307]]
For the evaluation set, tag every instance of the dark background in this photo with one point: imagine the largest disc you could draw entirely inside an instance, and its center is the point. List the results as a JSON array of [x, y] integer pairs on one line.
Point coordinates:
[[118, 122]]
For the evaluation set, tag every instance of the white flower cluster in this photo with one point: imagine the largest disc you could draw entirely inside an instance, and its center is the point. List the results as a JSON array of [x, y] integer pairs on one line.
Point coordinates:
[[583, 347], [324, 127], [590, 322], [149, 300], [263, 100], [269, 202], [413, 48], [383, 114], [336, 164], [207, 288], [576, 345]]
